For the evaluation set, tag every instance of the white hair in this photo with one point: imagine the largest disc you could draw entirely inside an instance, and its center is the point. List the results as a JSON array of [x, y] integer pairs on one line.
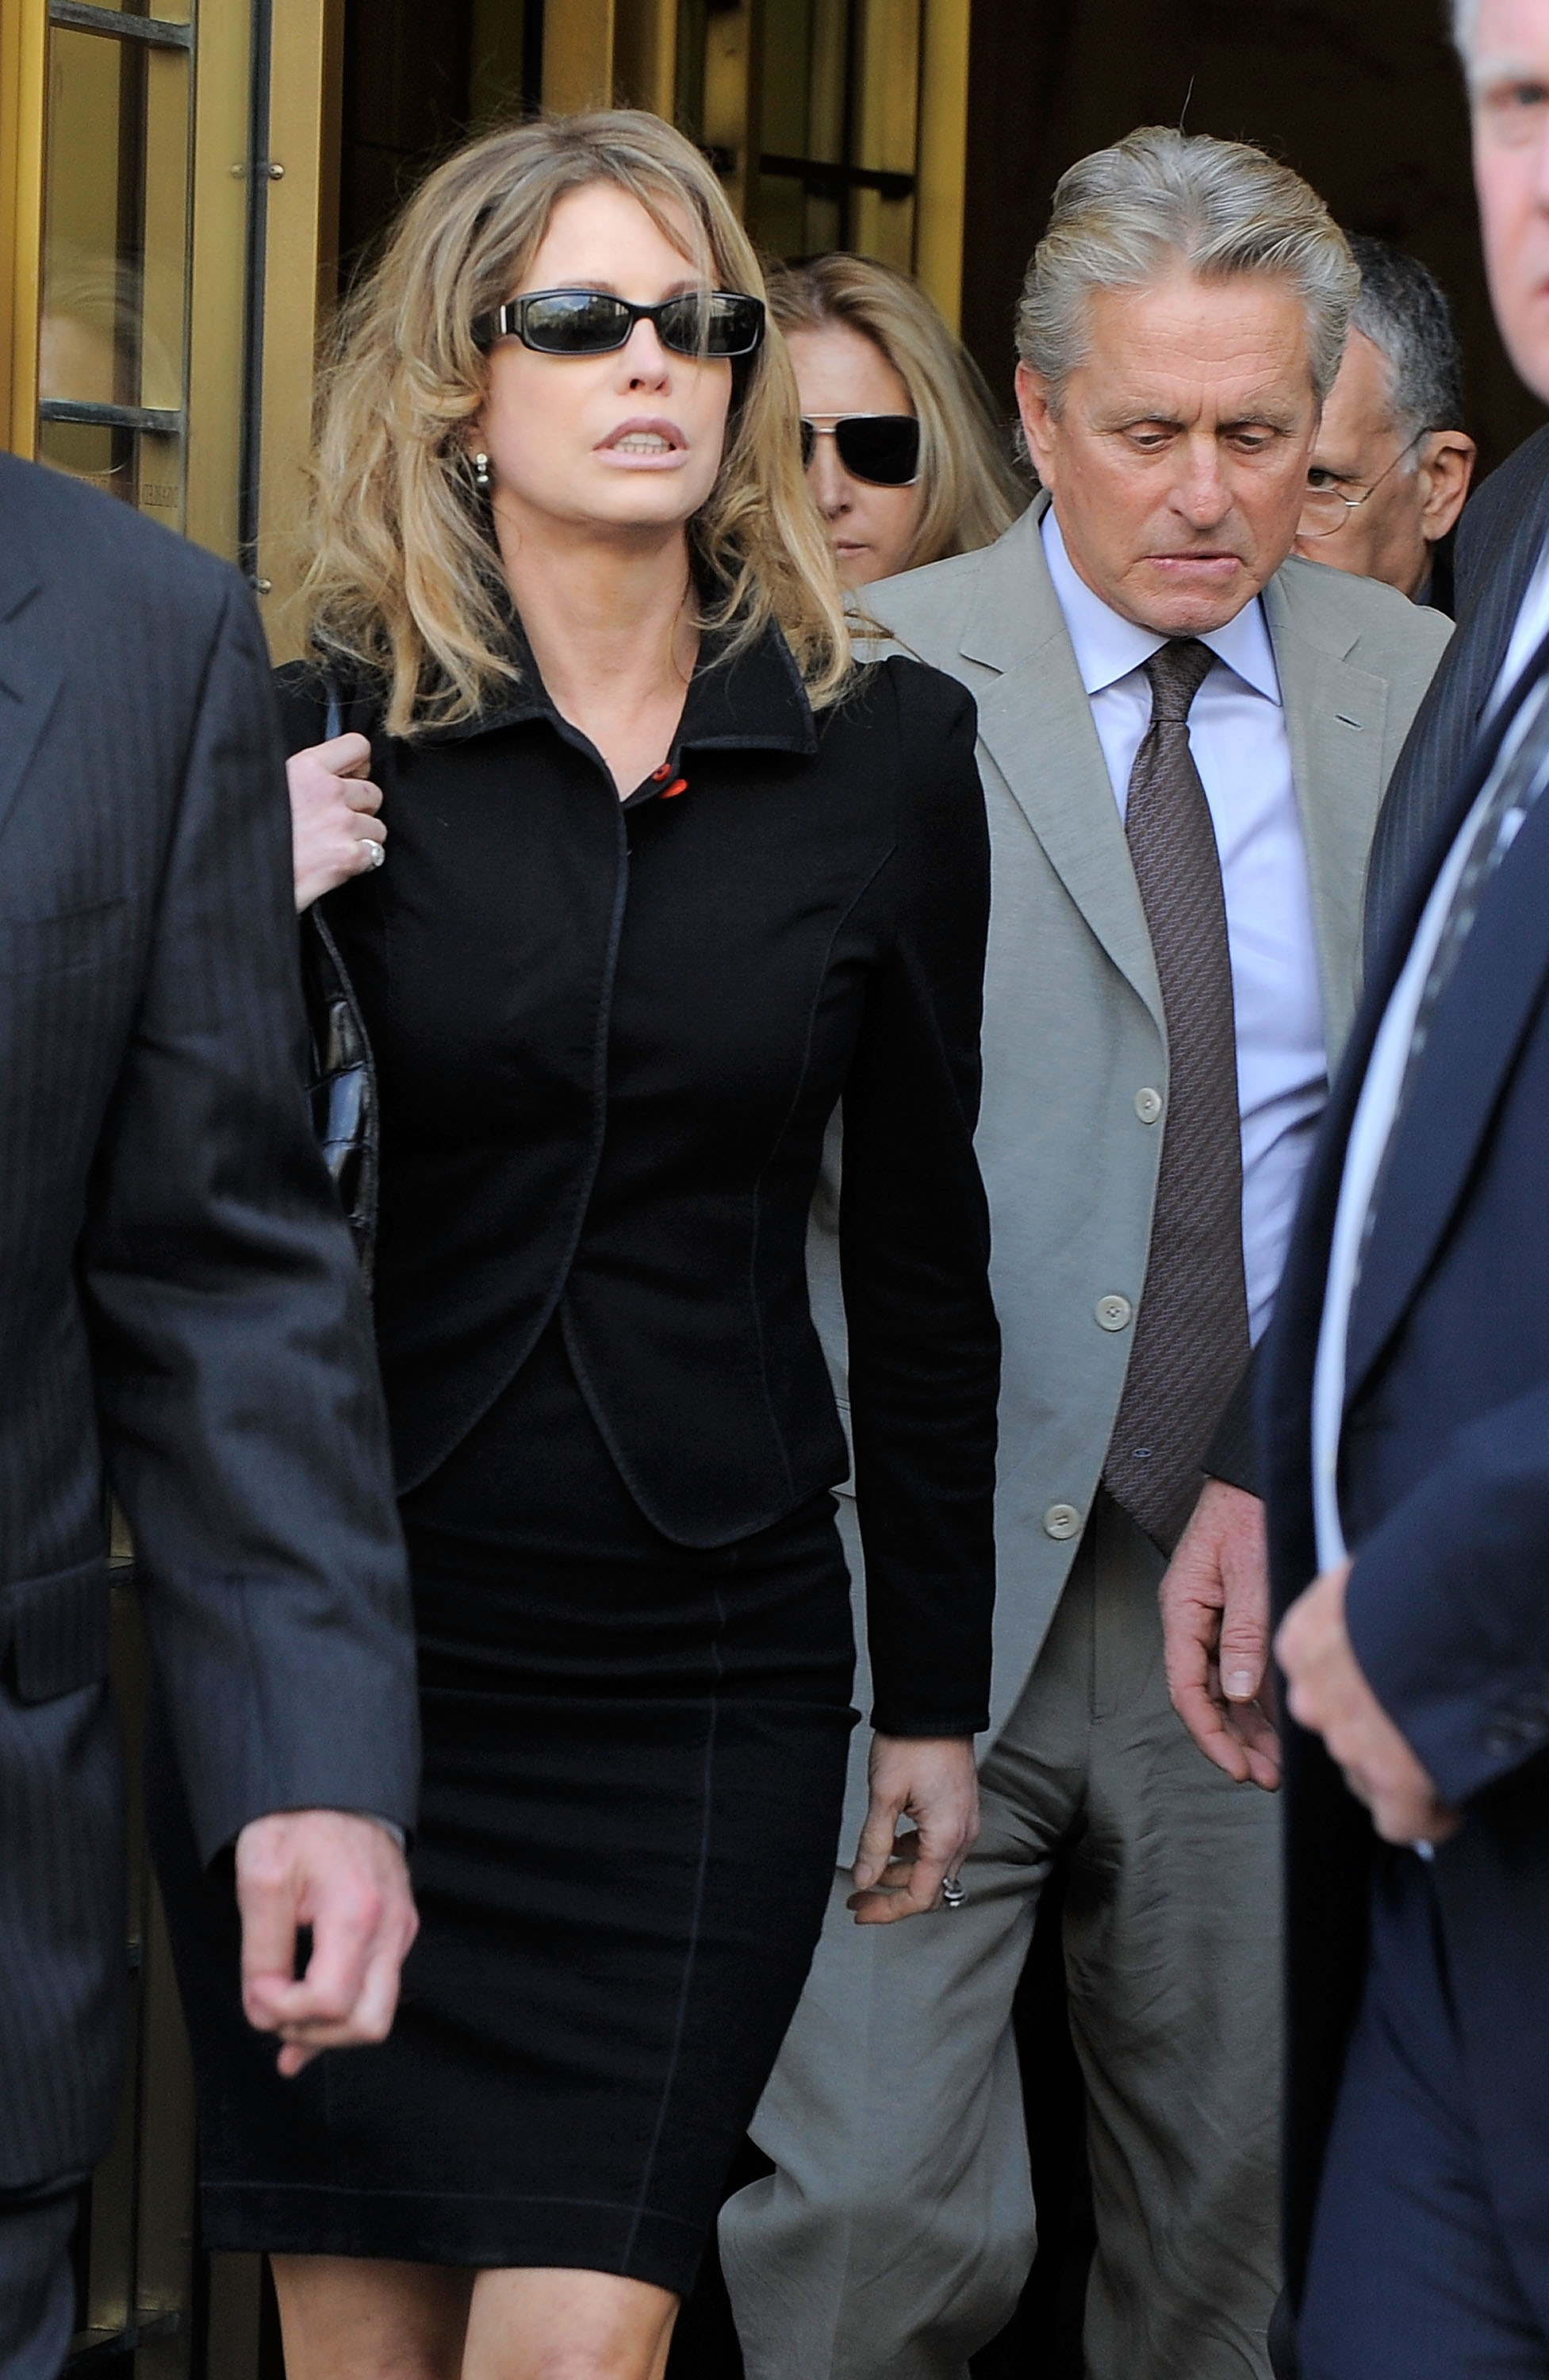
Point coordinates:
[[1465, 17], [1126, 216]]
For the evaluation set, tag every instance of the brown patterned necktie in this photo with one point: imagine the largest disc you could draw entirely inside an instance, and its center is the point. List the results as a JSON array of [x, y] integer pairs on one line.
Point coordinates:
[[1191, 1340]]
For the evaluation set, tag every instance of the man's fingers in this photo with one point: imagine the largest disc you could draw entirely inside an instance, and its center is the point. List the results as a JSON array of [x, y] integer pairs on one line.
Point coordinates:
[[1243, 1648], [378, 2004], [345, 1878], [1188, 1642], [266, 1894], [348, 1995], [1254, 1730], [1202, 1715], [348, 1927]]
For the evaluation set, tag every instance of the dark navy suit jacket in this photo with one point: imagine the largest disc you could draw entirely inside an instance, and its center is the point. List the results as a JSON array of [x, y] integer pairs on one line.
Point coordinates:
[[1445, 1495], [1498, 542], [180, 1312]]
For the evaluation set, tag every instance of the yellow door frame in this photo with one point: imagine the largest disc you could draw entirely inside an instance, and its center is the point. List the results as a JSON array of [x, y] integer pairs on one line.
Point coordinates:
[[941, 170], [301, 246], [23, 99]]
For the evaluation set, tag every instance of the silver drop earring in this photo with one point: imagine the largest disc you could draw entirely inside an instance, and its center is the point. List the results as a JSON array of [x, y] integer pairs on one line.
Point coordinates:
[[484, 478]]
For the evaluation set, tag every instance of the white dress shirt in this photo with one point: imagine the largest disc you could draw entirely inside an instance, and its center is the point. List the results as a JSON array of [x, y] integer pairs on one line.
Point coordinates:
[[1237, 731]]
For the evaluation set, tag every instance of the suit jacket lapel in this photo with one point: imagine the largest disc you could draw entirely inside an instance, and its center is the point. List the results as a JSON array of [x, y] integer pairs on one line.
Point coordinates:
[[1489, 632], [1336, 715], [1035, 721], [1471, 1046], [30, 672]]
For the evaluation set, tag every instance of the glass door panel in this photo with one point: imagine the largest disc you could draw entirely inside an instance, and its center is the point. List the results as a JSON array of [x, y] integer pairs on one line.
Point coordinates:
[[113, 314], [143, 284]]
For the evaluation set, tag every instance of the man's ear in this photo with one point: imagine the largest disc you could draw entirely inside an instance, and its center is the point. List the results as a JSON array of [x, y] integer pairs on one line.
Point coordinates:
[[1447, 462], [1036, 405]]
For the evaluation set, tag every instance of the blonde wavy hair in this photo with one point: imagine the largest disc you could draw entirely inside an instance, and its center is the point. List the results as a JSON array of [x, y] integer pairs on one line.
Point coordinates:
[[405, 580], [971, 492]]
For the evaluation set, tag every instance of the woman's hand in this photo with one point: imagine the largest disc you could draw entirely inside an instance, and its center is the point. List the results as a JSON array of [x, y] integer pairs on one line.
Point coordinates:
[[933, 1780], [334, 827]]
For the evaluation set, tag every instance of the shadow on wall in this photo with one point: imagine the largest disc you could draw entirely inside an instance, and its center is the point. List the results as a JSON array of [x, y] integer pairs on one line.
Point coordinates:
[[1366, 102]]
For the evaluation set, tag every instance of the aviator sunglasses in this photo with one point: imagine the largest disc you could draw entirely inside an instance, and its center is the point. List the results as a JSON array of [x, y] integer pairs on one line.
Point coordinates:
[[715, 323], [882, 448]]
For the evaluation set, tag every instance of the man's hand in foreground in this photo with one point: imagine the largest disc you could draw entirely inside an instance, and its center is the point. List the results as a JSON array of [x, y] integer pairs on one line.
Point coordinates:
[[344, 1877], [1214, 1600], [1326, 1692], [931, 1780]]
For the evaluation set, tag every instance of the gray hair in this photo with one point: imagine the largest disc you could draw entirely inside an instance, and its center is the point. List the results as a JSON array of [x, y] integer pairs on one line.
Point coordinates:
[[1465, 17], [1403, 309], [1123, 217]]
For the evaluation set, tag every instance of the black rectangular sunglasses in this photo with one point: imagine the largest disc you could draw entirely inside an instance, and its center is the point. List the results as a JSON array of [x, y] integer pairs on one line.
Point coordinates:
[[715, 323], [883, 448]]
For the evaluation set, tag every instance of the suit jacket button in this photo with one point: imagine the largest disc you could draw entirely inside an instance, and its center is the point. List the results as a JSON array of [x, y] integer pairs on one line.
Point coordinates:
[[1061, 1521], [1148, 1105], [1113, 1312]]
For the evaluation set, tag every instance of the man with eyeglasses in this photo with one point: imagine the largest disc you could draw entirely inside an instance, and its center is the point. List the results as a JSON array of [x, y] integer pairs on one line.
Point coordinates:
[[1391, 467], [1184, 734]]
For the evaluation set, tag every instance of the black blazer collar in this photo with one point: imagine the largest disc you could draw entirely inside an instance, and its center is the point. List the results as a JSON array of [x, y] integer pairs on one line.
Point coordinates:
[[747, 700]]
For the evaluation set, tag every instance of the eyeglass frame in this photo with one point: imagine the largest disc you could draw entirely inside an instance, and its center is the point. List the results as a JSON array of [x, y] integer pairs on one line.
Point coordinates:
[[815, 421], [506, 321], [1354, 504]]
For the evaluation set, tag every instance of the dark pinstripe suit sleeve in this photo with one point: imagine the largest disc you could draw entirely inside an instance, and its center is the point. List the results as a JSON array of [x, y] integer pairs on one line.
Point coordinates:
[[231, 1346]]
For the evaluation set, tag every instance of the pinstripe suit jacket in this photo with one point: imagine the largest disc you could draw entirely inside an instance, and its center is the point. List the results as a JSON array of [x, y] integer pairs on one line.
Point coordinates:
[[179, 1309], [1499, 540]]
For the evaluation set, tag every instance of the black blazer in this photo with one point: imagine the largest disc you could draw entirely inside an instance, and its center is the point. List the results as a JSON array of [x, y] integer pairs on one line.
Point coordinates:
[[1498, 539], [1444, 1493], [178, 1304], [608, 1041]]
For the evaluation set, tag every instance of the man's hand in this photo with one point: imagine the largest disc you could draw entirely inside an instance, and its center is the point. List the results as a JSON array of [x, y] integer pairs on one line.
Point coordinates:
[[1328, 1693], [344, 1877], [1214, 1602], [334, 827], [932, 1780]]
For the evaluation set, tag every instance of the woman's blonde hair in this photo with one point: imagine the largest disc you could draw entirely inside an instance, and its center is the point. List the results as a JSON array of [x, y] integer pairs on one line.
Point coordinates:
[[404, 579], [971, 492]]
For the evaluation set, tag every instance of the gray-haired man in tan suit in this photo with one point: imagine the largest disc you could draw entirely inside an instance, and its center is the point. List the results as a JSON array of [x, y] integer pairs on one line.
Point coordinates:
[[1185, 738]]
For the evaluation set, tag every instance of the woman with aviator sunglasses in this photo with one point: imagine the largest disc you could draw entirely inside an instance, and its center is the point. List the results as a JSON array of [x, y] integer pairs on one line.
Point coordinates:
[[670, 876], [903, 453]]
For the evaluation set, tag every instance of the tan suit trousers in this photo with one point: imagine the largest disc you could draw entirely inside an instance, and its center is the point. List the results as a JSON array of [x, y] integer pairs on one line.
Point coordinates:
[[893, 2239]]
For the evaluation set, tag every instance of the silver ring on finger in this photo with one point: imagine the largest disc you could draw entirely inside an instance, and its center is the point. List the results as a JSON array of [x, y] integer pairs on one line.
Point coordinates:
[[954, 1892], [377, 851]]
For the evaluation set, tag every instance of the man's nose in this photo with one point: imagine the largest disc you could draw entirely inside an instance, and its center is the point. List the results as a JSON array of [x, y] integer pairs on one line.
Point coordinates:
[[1200, 492]]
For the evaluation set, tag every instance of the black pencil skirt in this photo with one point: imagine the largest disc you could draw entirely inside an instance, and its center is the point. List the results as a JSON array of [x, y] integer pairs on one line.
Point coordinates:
[[634, 1767]]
